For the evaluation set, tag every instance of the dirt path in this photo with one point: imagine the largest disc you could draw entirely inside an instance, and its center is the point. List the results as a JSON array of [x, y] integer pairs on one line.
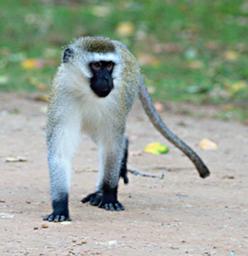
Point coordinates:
[[178, 215]]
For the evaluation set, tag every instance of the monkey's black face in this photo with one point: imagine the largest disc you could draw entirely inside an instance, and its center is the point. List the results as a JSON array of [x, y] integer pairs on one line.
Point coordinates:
[[101, 82]]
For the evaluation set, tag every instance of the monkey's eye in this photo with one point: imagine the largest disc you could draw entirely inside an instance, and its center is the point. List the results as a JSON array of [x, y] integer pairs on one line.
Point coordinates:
[[110, 66], [96, 66]]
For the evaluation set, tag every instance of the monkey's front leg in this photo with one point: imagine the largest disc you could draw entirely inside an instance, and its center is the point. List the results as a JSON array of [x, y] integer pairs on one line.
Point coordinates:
[[106, 196], [62, 140]]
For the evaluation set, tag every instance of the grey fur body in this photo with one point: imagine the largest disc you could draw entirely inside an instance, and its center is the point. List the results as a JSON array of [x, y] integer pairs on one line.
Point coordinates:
[[74, 109]]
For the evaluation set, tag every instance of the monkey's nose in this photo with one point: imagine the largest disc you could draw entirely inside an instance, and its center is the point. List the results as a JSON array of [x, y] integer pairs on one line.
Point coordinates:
[[106, 79]]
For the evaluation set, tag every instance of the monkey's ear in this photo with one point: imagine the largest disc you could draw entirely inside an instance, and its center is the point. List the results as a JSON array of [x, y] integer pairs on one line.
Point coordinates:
[[68, 53]]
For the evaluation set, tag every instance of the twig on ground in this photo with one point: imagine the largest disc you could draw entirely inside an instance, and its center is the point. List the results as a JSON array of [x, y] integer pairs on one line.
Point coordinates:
[[145, 174]]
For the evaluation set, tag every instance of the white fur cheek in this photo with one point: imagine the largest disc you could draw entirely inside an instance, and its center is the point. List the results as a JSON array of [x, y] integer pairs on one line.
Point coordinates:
[[82, 68], [85, 71], [117, 72], [73, 82]]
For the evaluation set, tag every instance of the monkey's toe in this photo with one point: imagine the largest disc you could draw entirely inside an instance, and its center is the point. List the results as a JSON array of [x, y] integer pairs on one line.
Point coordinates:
[[97, 199], [114, 206], [94, 199], [53, 217]]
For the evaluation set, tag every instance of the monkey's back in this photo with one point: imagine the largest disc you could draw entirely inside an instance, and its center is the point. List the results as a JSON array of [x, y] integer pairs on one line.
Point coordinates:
[[130, 75]]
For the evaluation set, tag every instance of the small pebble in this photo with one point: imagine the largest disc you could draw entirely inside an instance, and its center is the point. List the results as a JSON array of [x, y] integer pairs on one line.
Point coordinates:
[[44, 225]]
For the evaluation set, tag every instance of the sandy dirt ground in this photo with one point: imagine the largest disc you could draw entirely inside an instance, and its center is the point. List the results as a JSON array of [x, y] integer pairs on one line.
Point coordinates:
[[180, 214]]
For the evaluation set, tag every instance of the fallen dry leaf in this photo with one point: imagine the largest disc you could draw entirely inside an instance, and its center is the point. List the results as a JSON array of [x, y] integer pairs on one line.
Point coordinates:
[[207, 144], [156, 148], [231, 55], [125, 29], [148, 59], [159, 106], [228, 177], [237, 87], [32, 64], [15, 159], [81, 242], [42, 98]]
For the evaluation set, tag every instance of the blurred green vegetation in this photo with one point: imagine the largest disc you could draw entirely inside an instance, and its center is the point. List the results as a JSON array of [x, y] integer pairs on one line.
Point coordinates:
[[190, 50]]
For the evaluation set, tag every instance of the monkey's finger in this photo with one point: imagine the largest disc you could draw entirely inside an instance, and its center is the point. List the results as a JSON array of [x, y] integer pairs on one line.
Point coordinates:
[[101, 205], [111, 207], [86, 199], [95, 201], [45, 217], [50, 217], [57, 218], [108, 207], [104, 205], [119, 207], [62, 218]]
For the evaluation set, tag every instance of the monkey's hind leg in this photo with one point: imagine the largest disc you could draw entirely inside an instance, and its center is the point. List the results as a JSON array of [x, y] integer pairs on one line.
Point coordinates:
[[113, 161], [124, 170]]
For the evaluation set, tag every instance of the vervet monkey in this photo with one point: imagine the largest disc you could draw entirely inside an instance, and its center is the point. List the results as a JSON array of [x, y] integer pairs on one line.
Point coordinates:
[[93, 92]]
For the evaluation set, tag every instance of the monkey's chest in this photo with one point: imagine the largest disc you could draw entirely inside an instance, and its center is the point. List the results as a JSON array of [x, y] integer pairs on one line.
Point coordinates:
[[96, 121]]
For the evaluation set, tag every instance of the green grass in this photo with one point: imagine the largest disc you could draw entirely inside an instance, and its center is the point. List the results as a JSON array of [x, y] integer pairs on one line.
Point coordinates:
[[192, 51]]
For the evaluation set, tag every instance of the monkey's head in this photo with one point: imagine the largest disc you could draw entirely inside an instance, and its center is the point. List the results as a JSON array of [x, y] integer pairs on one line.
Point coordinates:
[[95, 60]]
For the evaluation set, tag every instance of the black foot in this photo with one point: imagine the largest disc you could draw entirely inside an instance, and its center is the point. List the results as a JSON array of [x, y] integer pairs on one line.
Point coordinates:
[[53, 217], [60, 210], [113, 206], [104, 201], [94, 198]]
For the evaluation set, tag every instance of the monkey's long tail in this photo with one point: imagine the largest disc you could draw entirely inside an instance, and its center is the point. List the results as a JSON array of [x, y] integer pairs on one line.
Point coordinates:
[[167, 133]]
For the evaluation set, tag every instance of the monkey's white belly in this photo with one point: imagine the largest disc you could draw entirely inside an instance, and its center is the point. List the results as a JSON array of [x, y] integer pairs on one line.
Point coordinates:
[[99, 117]]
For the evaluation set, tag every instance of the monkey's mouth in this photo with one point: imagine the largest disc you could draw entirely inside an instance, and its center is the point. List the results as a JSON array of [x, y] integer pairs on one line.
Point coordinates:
[[102, 91]]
